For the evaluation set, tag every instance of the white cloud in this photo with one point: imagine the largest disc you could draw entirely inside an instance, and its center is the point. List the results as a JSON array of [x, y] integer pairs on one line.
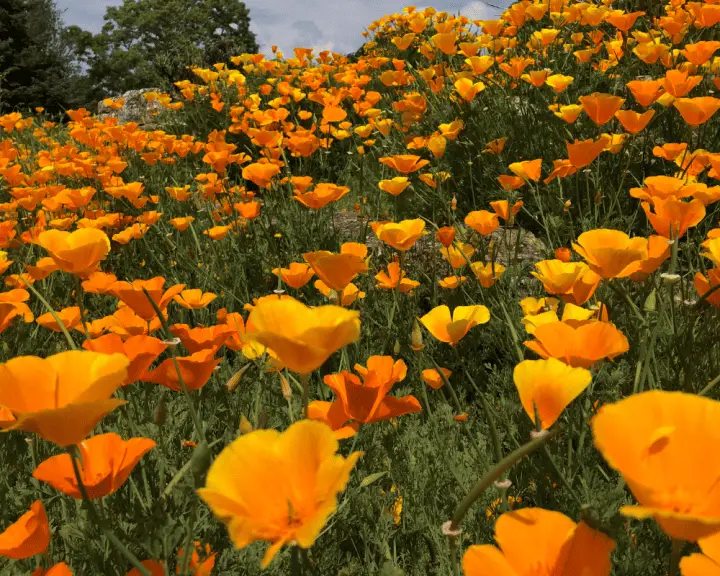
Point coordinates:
[[335, 25]]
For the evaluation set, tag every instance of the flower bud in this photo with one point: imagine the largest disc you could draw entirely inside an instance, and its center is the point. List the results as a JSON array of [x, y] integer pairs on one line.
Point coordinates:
[[285, 388], [416, 339], [245, 426], [160, 413], [396, 348]]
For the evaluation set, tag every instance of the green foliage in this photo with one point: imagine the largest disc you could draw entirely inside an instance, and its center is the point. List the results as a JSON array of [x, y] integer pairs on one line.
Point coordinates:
[[35, 62], [150, 43]]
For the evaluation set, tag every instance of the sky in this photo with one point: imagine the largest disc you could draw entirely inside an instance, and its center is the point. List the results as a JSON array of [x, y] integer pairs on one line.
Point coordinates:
[[334, 25]]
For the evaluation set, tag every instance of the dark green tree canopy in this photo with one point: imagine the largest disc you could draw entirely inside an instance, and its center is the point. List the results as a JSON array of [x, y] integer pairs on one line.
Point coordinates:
[[150, 43], [35, 63]]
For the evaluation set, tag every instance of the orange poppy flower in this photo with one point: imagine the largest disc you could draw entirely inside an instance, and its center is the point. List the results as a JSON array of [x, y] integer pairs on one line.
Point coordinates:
[[495, 146], [678, 83], [336, 270], [583, 153], [573, 281], [645, 92], [195, 370], [559, 82], [238, 339], [601, 108], [670, 151], [623, 20], [368, 402], [671, 218], [704, 285], [468, 89], [446, 235], [404, 163], [181, 224], [303, 338], [201, 338], [548, 386], [697, 111], [322, 195], [400, 235], [78, 252], [288, 490], [578, 344], [483, 222], [12, 305], [132, 294], [432, 377], [396, 186], [140, 350], [458, 255], [106, 462], [659, 442], [194, 299], [260, 173], [700, 52], [59, 569], [346, 296], [445, 42], [705, 564], [503, 209], [296, 275], [42, 269], [537, 542], [332, 415], [28, 535], [528, 170], [62, 397], [634, 122], [99, 282], [70, 317], [488, 273], [608, 252], [125, 323], [452, 329], [389, 280], [451, 282], [510, 183]]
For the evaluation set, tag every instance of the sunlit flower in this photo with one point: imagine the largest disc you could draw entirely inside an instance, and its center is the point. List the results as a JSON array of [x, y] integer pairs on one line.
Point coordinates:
[[452, 329], [288, 489], [79, 252], [401, 235], [28, 535], [659, 442], [608, 252]]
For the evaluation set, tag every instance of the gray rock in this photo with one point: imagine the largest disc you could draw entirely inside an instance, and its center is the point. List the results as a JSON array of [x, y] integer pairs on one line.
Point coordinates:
[[136, 108]]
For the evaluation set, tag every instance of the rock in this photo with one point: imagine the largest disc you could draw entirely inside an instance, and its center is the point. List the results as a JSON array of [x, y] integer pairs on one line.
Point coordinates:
[[136, 108]]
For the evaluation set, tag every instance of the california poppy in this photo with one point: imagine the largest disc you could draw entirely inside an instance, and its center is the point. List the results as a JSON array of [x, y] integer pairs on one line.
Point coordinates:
[[70, 317], [296, 275], [601, 107], [488, 273], [344, 297], [537, 542], [288, 490], [705, 564], [132, 294], [106, 461], [483, 222], [401, 235], [389, 280], [140, 350], [194, 299], [578, 344], [368, 402], [458, 255], [322, 195], [573, 281], [395, 186], [634, 122], [336, 270], [404, 163], [548, 386], [446, 235], [62, 397], [28, 535], [432, 377], [79, 252], [645, 91], [671, 218], [452, 329], [59, 569], [583, 153], [303, 338], [704, 284], [659, 442], [195, 371], [697, 111], [608, 252], [202, 337]]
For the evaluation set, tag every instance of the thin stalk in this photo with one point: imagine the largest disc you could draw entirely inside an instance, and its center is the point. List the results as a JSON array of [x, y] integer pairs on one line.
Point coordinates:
[[50, 309]]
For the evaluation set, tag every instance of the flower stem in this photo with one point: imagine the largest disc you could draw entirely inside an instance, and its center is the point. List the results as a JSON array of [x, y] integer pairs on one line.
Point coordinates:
[[50, 309], [675, 555]]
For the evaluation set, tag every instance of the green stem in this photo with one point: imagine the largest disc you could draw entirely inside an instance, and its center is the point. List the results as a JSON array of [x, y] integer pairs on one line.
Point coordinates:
[[60, 323], [79, 296], [675, 555], [496, 472]]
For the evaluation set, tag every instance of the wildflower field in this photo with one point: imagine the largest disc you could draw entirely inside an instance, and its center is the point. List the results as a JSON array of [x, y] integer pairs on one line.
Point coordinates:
[[448, 306]]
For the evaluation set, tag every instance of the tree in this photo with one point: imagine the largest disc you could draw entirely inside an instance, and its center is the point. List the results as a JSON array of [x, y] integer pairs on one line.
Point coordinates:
[[150, 43], [35, 64]]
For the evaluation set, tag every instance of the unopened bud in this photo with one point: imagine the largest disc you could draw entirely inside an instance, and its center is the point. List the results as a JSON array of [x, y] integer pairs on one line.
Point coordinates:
[[285, 388], [416, 339], [160, 413], [235, 380], [453, 203], [396, 348], [245, 426], [670, 279]]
